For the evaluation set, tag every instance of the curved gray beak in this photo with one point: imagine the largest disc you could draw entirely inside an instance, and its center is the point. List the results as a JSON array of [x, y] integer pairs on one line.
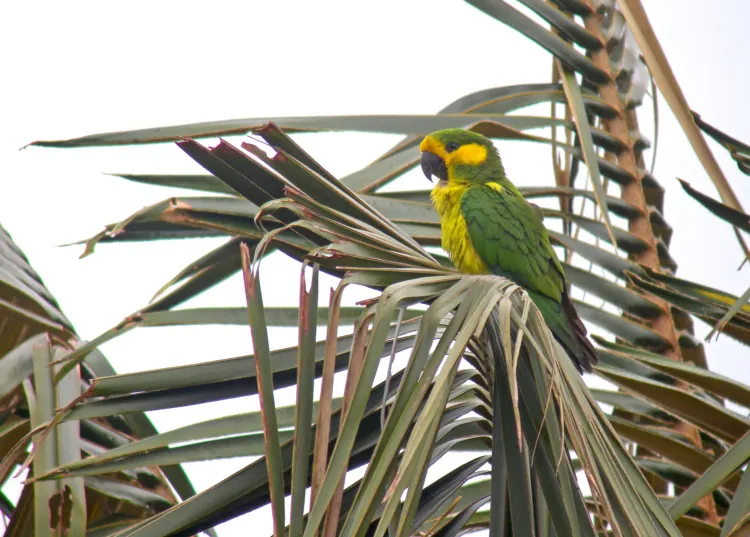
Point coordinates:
[[433, 165]]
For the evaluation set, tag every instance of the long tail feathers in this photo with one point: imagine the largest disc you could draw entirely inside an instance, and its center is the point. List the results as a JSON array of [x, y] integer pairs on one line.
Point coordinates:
[[568, 329], [586, 357]]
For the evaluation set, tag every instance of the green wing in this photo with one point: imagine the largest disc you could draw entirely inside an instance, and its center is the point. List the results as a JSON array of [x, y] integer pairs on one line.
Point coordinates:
[[509, 236]]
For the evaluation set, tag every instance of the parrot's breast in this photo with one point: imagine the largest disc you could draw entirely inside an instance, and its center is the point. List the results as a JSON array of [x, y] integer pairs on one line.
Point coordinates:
[[455, 236]]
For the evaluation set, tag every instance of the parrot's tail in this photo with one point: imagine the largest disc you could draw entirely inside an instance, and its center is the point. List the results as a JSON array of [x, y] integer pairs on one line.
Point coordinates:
[[587, 357], [568, 329]]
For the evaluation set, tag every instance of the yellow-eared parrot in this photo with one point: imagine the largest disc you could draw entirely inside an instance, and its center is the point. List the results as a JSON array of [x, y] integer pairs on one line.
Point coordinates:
[[489, 228]]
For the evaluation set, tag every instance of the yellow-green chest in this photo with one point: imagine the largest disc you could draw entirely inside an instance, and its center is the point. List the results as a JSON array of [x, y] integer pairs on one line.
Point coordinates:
[[454, 234]]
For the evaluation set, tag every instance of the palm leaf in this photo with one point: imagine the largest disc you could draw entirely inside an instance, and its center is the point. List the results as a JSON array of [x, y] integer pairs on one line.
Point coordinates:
[[482, 373], [419, 406], [32, 336]]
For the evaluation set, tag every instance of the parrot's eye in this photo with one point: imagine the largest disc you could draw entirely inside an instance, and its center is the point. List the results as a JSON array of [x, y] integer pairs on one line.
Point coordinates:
[[450, 147]]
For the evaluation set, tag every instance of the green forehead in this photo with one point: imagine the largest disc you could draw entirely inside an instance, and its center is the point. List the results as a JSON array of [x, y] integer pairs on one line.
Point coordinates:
[[460, 137]]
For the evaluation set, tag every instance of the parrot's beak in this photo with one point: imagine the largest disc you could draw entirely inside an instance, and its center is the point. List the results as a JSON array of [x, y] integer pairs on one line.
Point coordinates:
[[433, 165]]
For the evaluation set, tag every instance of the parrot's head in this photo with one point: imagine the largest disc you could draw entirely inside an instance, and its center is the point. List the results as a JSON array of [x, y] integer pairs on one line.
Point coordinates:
[[460, 156]]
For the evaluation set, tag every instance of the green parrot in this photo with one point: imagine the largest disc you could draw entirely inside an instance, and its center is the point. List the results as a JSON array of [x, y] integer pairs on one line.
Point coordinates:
[[488, 227]]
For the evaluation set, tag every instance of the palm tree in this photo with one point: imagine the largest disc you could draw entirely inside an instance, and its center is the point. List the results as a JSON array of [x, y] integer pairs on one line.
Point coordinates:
[[483, 377], [35, 332]]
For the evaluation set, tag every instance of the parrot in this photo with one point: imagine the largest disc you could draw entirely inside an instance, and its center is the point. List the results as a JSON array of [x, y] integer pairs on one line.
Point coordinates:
[[488, 227]]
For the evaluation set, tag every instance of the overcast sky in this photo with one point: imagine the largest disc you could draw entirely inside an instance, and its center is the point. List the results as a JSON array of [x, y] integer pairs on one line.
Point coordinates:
[[78, 68]]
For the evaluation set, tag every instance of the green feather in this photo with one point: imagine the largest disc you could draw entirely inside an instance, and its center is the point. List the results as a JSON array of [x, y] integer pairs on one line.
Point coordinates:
[[511, 239], [508, 235]]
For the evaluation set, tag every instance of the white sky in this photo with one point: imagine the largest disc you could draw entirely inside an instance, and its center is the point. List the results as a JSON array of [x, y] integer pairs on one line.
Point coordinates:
[[78, 68]]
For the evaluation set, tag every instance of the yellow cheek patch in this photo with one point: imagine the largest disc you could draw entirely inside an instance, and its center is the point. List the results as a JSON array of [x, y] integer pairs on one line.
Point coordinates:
[[471, 154], [468, 154]]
